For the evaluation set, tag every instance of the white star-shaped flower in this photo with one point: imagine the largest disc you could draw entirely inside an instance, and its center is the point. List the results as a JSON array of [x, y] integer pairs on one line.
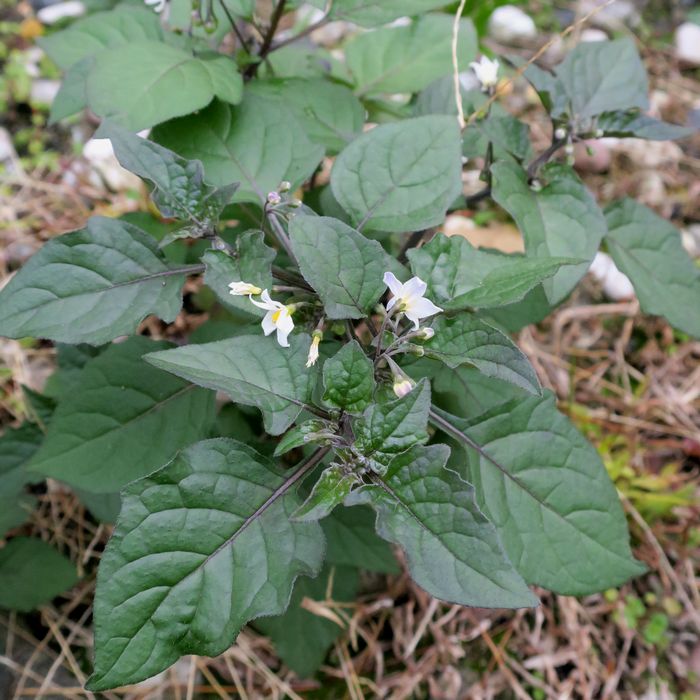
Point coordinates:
[[278, 318], [486, 71], [409, 298]]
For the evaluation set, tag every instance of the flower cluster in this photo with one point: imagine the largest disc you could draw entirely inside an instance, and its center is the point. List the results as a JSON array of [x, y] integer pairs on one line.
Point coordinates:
[[407, 298]]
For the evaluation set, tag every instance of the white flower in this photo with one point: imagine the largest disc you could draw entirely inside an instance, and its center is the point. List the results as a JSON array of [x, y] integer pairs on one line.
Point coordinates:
[[157, 5], [243, 289], [278, 317], [408, 298], [313, 349], [486, 71]]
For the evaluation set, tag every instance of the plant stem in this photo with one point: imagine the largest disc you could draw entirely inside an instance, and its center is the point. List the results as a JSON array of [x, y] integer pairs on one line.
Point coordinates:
[[544, 157], [233, 24], [267, 38], [304, 32], [282, 236]]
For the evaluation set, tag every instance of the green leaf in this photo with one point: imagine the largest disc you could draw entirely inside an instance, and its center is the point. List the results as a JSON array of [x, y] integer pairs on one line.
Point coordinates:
[[508, 136], [201, 547], [343, 266], [163, 82], [103, 506], [103, 30], [252, 264], [330, 114], [32, 572], [297, 435], [253, 370], [40, 407], [460, 276], [466, 339], [602, 76], [71, 97], [348, 377], [401, 176], [352, 541], [388, 429], [546, 490], [452, 550], [126, 420], [329, 491], [91, 286], [70, 359], [256, 143], [180, 191], [408, 58], [17, 445], [649, 251], [372, 14], [301, 638], [634, 123], [560, 220]]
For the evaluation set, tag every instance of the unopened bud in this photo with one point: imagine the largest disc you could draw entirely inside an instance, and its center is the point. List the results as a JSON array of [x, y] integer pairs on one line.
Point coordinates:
[[425, 333], [535, 185], [417, 350], [285, 186], [403, 386], [599, 133], [560, 133], [569, 149], [274, 198], [294, 203]]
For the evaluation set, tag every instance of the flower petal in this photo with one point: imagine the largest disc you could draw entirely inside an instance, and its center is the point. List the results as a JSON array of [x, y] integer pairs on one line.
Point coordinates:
[[415, 287], [268, 325], [394, 285], [282, 337], [266, 302], [422, 307]]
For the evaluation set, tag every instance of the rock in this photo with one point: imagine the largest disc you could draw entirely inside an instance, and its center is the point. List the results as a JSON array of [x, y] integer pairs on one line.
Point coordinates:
[[616, 285], [592, 34], [63, 10], [614, 16], [510, 25], [688, 43], [43, 92], [649, 154], [100, 155], [598, 160]]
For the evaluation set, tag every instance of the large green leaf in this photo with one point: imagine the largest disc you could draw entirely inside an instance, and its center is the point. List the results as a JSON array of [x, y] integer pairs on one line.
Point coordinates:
[[71, 97], [392, 427], [602, 76], [163, 82], [344, 267], [546, 490], [560, 220], [460, 276], [348, 378], [91, 286], [401, 176], [352, 540], [125, 420], [301, 638], [180, 190], [634, 123], [466, 339], [252, 263], [452, 550], [372, 14], [408, 58], [649, 251], [257, 143], [103, 30], [17, 445], [252, 370], [32, 572], [201, 547], [330, 114], [508, 136]]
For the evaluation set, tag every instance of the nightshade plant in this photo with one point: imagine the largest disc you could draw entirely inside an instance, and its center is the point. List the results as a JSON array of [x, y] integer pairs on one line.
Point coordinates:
[[375, 348]]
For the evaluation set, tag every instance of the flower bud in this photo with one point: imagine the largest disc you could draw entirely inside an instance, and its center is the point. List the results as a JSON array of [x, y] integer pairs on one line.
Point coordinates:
[[274, 198], [560, 133], [313, 349], [403, 386], [599, 133], [569, 149], [425, 334], [285, 186], [239, 289]]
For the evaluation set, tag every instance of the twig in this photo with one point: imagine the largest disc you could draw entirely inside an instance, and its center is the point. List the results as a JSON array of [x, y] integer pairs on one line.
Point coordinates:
[[267, 38], [455, 64], [544, 157], [282, 236], [304, 32], [233, 24]]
